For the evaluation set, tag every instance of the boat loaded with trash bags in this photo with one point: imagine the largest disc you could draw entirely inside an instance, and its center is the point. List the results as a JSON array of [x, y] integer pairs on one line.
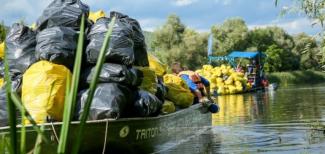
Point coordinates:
[[136, 105]]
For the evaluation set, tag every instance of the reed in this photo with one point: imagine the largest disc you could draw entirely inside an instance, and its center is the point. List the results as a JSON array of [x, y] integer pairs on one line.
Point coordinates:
[[92, 87], [296, 77], [39, 142], [13, 149], [72, 92], [17, 102]]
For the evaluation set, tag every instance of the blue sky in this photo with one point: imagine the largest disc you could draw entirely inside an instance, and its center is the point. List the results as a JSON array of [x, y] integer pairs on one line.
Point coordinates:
[[197, 14]]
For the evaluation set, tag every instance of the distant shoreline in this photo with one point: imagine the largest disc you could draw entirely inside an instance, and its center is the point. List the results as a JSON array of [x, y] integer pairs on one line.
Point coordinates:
[[296, 77]]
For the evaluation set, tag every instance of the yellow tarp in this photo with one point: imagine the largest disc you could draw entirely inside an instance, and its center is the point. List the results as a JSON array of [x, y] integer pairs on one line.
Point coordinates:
[[1, 82], [2, 50], [43, 90], [156, 65], [149, 82], [178, 91], [94, 16]]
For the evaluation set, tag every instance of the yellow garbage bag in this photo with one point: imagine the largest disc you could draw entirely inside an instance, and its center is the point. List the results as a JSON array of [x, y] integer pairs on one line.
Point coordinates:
[[178, 91], [33, 26], [168, 107], [207, 67], [156, 65], [43, 90], [93, 16], [1, 82], [2, 50], [149, 82]]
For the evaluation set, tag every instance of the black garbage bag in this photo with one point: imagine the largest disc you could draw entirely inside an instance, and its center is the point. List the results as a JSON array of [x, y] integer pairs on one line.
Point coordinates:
[[140, 48], [120, 50], [3, 108], [65, 13], [161, 91], [20, 43], [147, 105], [116, 73], [16, 82], [2, 69], [58, 45], [111, 100]]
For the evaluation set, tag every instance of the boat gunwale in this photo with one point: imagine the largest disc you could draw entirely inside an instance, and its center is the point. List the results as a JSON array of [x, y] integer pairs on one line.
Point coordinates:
[[193, 107]]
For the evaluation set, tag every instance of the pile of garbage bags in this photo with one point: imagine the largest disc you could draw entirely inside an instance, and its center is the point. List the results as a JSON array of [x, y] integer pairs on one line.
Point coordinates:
[[224, 80], [132, 83]]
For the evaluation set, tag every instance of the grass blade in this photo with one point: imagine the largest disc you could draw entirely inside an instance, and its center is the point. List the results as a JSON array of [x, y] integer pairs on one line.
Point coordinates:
[[39, 142], [22, 133], [71, 98], [11, 108], [92, 87], [17, 101]]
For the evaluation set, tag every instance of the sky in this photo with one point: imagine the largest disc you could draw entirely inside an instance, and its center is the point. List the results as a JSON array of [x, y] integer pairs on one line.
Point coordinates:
[[196, 14]]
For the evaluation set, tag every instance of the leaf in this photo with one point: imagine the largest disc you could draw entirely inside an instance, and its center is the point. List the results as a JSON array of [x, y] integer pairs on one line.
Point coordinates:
[[92, 88]]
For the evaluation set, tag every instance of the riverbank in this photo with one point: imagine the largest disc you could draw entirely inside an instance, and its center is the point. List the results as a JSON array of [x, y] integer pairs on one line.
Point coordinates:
[[296, 77]]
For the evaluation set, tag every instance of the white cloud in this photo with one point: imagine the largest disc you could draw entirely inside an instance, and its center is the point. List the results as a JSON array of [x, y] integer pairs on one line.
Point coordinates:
[[224, 2], [150, 24], [184, 2], [15, 10], [292, 26]]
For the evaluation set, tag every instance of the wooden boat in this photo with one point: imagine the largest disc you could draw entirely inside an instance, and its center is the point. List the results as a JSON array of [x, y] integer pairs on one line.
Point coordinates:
[[129, 135]]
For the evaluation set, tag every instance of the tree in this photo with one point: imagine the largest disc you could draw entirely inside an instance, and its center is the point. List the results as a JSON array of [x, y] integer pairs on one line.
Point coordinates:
[[262, 38], [169, 35], [173, 42], [275, 39], [273, 61], [314, 10], [229, 36], [308, 51]]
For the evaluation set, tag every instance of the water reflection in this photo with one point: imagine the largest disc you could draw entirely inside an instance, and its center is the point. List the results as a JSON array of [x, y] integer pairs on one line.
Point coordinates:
[[242, 108], [270, 122]]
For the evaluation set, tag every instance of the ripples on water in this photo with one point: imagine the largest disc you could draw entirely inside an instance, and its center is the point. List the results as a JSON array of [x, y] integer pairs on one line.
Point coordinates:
[[268, 122]]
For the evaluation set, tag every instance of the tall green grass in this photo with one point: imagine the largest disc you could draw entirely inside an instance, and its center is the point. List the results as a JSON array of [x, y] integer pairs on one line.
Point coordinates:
[[72, 92], [296, 77], [11, 108], [92, 87]]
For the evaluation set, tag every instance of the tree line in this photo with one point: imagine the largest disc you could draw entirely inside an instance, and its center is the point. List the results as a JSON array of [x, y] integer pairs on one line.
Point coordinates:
[[175, 42]]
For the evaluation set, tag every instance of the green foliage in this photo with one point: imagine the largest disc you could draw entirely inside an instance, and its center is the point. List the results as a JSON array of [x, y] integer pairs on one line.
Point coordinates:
[[229, 36], [273, 61], [169, 35], [2, 32], [296, 77], [308, 51], [173, 42], [314, 10]]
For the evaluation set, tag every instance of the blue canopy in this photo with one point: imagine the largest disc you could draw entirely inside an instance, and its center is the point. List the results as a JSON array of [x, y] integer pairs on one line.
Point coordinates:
[[245, 54]]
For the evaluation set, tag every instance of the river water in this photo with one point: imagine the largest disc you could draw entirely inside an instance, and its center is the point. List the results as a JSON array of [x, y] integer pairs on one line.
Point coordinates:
[[282, 121]]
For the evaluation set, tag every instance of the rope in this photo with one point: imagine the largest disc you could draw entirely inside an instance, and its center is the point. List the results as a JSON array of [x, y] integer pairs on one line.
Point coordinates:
[[54, 132], [105, 140]]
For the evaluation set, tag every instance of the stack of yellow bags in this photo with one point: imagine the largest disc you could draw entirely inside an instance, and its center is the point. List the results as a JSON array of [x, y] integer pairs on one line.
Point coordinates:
[[224, 80], [178, 91]]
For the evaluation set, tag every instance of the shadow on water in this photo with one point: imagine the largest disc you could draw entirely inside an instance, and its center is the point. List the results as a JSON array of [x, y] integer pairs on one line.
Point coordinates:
[[271, 122]]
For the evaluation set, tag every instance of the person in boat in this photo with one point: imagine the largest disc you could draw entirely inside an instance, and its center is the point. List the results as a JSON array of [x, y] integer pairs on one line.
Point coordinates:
[[198, 85]]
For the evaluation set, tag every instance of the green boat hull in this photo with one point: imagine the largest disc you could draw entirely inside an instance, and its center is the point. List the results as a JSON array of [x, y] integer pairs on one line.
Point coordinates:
[[129, 135]]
